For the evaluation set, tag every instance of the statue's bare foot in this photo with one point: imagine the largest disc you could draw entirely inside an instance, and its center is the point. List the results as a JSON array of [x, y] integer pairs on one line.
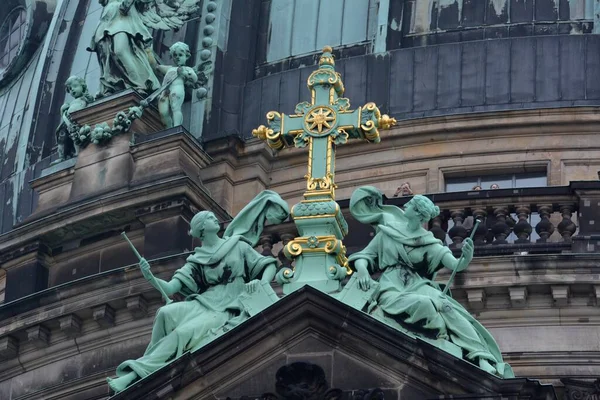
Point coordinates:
[[121, 383], [486, 366]]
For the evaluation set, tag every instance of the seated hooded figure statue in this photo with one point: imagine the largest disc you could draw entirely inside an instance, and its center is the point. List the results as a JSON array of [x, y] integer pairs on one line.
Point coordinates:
[[212, 279], [408, 257]]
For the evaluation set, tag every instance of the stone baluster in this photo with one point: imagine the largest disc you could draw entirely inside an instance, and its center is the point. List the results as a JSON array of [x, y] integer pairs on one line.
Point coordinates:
[[544, 228], [285, 239], [500, 229], [523, 228], [266, 241], [437, 228], [479, 237], [457, 233], [567, 227]]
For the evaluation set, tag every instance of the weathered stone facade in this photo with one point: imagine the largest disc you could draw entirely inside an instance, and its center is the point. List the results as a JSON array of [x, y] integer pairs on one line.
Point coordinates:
[[75, 304]]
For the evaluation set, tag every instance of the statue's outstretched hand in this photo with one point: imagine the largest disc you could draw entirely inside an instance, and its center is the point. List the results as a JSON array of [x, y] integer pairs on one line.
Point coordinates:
[[145, 267], [253, 286]]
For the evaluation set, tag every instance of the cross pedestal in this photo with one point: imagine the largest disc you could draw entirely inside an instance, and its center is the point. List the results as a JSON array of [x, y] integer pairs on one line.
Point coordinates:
[[321, 124]]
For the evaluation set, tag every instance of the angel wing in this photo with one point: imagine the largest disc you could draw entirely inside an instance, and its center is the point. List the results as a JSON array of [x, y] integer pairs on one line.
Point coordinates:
[[167, 14]]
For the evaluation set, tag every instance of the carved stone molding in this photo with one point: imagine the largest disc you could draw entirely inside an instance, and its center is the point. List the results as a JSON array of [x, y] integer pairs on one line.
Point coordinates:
[[104, 315], [476, 298], [581, 390], [70, 325], [518, 295], [9, 348], [39, 336], [560, 294], [137, 305]]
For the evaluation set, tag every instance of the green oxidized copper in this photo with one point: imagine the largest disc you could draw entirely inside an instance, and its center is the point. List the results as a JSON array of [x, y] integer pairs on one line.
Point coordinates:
[[172, 92], [123, 40], [67, 133], [220, 281], [321, 124], [406, 295]]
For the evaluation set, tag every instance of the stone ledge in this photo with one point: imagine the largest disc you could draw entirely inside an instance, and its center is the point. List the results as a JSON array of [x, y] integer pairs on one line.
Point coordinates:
[[104, 315], [70, 325], [137, 305], [105, 110], [39, 336], [122, 202], [9, 348]]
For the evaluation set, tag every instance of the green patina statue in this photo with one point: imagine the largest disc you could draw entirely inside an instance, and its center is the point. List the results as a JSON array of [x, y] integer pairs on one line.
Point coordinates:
[[172, 92], [408, 298], [215, 279], [123, 40], [68, 145]]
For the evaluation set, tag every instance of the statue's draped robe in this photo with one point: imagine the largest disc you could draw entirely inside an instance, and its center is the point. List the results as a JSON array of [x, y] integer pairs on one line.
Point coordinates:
[[124, 64], [407, 292], [212, 282]]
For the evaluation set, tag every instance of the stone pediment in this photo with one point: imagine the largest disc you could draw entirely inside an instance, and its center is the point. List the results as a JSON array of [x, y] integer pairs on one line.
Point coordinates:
[[311, 334]]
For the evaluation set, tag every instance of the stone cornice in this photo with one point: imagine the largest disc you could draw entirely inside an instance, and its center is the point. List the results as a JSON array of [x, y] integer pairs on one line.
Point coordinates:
[[122, 204]]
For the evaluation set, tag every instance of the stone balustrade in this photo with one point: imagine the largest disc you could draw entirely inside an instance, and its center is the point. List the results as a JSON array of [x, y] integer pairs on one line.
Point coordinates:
[[519, 220], [524, 220]]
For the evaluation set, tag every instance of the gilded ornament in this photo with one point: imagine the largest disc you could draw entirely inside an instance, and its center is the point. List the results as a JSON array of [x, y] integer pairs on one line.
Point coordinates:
[[321, 124], [385, 122], [320, 120], [260, 132]]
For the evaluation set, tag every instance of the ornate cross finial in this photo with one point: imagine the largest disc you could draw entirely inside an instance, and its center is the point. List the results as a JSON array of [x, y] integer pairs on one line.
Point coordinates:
[[321, 124]]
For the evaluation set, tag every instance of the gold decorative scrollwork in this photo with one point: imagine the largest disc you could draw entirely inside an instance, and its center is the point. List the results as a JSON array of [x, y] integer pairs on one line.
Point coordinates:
[[272, 115], [331, 246], [324, 183], [294, 248], [368, 126], [324, 76], [271, 134]]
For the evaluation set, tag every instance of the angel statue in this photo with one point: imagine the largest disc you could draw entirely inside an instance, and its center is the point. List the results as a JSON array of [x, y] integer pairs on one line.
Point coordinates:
[[213, 279], [172, 92], [408, 257], [67, 129], [123, 40]]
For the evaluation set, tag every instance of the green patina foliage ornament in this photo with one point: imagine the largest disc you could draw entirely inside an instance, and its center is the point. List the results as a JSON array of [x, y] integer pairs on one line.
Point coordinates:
[[225, 281], [123, 40], [407, 297], [67, 133]]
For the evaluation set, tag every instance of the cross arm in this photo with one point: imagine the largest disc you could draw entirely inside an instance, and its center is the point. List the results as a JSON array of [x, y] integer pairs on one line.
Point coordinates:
[[363, 123], [280, 131]]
